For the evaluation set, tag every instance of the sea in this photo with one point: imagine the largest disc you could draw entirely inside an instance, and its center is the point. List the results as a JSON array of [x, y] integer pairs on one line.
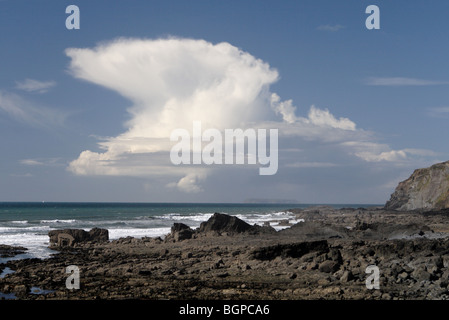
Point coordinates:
[[27, 224]]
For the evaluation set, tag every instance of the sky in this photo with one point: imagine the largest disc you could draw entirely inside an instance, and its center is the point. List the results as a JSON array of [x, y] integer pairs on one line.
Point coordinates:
[[87, 114]]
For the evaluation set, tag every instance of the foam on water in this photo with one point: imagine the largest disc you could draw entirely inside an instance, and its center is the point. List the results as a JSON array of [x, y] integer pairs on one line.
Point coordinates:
[[37, 244], [32, 231], [19, 222], [199, 217], [137, 233], [14, 230], [67, 221], [272, 218]]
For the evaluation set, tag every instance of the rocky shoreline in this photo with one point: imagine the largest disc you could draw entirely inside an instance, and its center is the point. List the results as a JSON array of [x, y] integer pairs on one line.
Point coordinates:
[[324, 257]]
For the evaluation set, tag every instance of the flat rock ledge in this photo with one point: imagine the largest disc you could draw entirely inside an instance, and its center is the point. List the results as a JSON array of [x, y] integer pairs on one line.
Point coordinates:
[[325, 257], [10, 251]]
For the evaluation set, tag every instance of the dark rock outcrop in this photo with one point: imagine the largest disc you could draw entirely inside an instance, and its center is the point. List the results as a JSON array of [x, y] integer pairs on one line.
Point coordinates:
[[68, 237], [316, 230], [294, 250], [217, 224], [425, 189], [10, 251], [179, 232], [220, 222], [223, 224]]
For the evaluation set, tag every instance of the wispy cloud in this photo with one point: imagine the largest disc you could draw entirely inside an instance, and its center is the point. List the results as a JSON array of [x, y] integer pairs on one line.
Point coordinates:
[[30, 162], [311, 165], [439, 112], [27, 112], [31, 85], [51, 162], [421, 152], [330, 28], [378, 152], [401, 81], [390, 156]]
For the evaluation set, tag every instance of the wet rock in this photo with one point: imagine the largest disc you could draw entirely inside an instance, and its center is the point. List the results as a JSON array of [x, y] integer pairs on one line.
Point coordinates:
[[224, 223], [179, 232], [7, 251], [69, 237]]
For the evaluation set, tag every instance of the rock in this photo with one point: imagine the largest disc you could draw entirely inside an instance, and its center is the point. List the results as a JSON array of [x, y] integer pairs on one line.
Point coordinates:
[[224, 223], [20, 289], [329, 266], [218, 264], [223, 275], [386, 296], [187, 255], [362, 226], [282, 265], [438, 262], [316, 230], [420, 274], [98, 234], [347, 276], [292, 275], [10, 251], [335, 255], [403, 275], [324, 281], [294, 250], [179, 232], [426, 188], [68, 237]]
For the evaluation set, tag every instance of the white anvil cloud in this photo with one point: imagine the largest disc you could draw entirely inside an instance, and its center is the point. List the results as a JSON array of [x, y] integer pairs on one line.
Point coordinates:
[[174, 82]]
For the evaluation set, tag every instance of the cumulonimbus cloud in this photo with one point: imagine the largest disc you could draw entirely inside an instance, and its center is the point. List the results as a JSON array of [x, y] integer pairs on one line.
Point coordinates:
[[173, 82]]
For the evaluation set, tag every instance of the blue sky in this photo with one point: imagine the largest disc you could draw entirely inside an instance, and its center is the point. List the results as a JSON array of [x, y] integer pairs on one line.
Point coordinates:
[[358, 110]]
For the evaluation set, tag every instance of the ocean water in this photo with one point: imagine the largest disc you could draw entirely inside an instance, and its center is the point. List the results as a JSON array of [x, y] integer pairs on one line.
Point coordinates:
[[28, 224]]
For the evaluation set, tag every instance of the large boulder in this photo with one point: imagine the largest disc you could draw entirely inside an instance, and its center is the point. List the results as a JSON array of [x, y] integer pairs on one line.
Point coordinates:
[[217, 224], [220, 223], [179, 232], [68, 237], [425, 189]]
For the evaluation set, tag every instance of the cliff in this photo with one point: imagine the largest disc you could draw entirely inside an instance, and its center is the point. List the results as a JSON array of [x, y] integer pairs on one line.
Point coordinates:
[[425, 189]]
